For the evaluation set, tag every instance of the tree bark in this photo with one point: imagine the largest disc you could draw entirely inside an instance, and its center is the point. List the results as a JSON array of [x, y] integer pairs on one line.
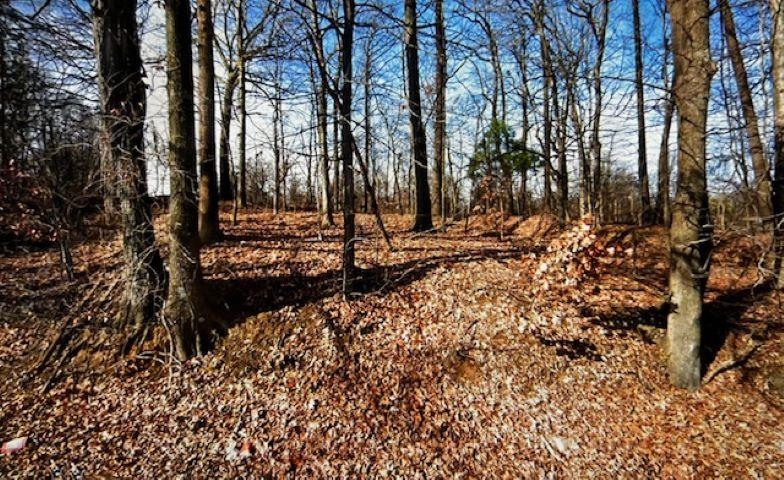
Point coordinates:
[[777, 54], [758, 160], [191, 323], [227, 104], [642, 151], [663, 207], [243, 114], [209, 225], [347, 145], [276, 153], [439, 128], [561, 113], [690, 233], [600, 34], [547, 71], [123, 104], [325, 205], [423, 220]]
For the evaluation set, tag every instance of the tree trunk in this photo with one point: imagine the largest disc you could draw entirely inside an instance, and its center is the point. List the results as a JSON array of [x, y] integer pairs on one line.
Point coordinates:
[[336, 152], [600, 34], [209, 226], [777, 54], [663, 208], [186, 309], [546, 119], [439, 128], [227, 103], [123, 109], [347, 145], [758, 160], [317, 39], [276, 147], [243, 114], [423, 220], [561, 112], [690, 233], [642, 152], [366, 79]]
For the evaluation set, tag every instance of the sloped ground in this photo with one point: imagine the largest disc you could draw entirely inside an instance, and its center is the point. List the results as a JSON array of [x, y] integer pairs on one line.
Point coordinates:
[[466, 355]]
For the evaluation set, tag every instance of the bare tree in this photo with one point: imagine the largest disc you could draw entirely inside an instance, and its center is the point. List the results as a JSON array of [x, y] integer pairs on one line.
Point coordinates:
[[423, 220], [209, 225], [642, 156], [690, 232], [758, 160], [439, 130], [347, 144], [123, 110], [191, 320]]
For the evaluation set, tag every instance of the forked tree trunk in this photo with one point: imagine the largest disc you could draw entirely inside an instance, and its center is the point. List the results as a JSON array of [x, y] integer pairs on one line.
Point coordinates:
[[241, 173], [758, 160], [423, 220], [123, 110], [690, 232], [192, 324], [209, 226]]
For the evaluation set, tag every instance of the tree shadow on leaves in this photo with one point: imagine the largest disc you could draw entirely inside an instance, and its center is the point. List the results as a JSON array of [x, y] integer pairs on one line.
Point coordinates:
[[573, 349], [721, 316], [246, 297]]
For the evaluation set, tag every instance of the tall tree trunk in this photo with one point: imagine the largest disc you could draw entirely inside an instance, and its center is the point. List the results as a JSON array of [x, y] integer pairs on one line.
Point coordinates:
[[521, 58], [600, 34], [327, 219], [347, 144], [337, 162], [561, 113], [276, 153], [777, 54], [642, 151], [663, 207], [366, 79], [186, 308], [243, 113], [317, 39], [227, 104], [423, 220], [690, 232], [209, 226], [123, 110], [582, 154], [439, 128], [547, 71], [758, 160]]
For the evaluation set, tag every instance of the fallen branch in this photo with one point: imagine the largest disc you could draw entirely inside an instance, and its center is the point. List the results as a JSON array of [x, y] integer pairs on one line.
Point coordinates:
[[732, 363]]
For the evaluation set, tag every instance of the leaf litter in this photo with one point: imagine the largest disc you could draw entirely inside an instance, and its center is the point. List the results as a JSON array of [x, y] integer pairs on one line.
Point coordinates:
[[511, 349]]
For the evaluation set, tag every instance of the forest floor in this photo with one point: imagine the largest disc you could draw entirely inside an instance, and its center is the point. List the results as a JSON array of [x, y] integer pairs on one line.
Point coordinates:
[[467, 354]]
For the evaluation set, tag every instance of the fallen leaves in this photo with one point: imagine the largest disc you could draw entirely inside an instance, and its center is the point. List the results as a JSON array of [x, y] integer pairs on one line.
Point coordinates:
[[456, 361]]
